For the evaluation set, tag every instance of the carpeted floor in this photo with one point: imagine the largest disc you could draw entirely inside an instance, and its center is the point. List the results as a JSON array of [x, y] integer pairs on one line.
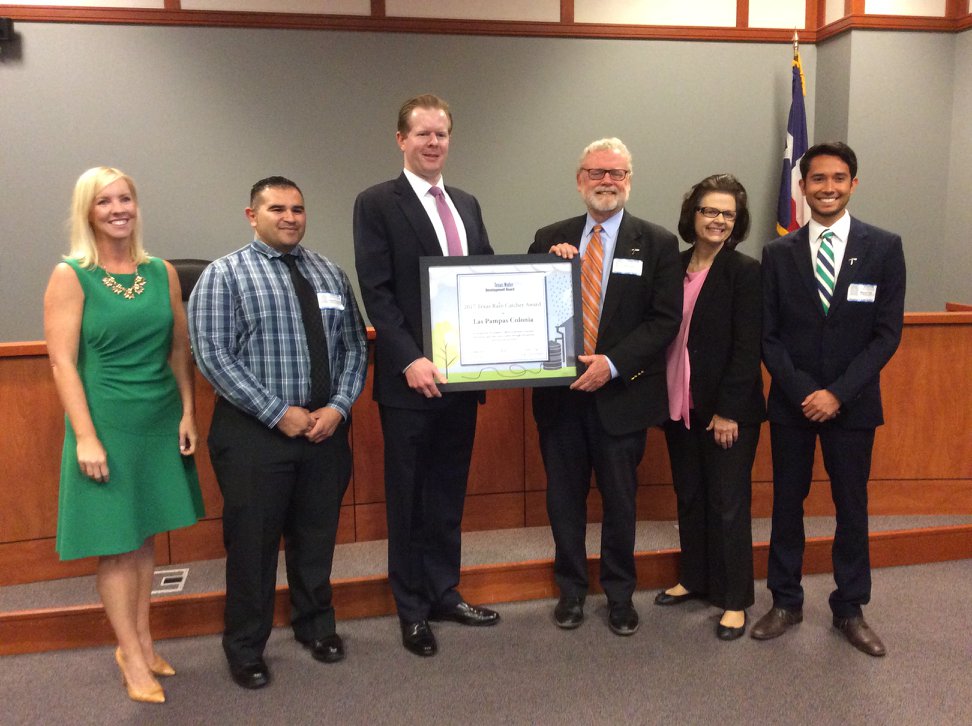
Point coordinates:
[[526, 671]]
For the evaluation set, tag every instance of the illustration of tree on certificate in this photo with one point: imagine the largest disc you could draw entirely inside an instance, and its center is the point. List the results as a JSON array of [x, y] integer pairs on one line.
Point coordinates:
[[502, 323]]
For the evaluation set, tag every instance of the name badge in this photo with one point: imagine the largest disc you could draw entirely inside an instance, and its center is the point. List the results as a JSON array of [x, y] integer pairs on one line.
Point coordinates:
[[329, 301], [861, 293], [625, 266]]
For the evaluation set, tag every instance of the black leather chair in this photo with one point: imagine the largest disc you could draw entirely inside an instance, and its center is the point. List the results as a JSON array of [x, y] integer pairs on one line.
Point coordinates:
[[189, 272]]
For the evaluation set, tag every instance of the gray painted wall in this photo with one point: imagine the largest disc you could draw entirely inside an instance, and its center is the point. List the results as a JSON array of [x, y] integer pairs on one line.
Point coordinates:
[[957, 248], [196, 115], [832, 84], [899, 123]]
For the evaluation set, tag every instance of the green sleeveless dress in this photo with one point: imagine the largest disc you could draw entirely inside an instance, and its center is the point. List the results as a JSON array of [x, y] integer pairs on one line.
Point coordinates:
[[134, 402]]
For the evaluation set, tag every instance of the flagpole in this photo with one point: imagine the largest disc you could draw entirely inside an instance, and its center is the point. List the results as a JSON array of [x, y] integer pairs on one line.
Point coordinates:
[[792, 211]]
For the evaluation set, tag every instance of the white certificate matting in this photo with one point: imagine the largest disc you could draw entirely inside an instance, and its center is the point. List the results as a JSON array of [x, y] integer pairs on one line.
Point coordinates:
[[502, 317], [501, 321]]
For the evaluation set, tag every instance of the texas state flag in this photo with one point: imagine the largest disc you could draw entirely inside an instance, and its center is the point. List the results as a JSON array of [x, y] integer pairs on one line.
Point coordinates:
[[792, 211]]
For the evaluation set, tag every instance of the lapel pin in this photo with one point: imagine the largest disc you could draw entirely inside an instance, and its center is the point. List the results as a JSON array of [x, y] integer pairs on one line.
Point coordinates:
[[852, 260]]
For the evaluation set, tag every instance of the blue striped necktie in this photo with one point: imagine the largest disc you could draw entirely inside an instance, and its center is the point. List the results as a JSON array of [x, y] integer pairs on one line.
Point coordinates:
[[823, 270]]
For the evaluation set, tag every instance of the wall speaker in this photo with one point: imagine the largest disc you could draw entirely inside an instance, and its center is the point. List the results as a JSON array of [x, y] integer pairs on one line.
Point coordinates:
[[6, 29]]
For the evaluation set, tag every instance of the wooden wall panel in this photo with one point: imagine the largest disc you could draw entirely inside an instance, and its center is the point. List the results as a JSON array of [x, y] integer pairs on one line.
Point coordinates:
[[482, 511], [655, 468], [203, 541], [922, 458], [737, 29], [493, 511], [205, 401], [928, 407], [36, 559], [498, 456], [32, 426], [655, 502], [367, 448], [534, 478], [369, 522]]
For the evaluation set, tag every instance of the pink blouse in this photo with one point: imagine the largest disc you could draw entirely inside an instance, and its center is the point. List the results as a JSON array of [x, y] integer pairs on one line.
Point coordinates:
[[677, 357]]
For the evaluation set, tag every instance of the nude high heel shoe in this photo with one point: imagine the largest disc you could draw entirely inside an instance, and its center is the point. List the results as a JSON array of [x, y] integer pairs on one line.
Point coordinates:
[[161, 667], [151, 695]]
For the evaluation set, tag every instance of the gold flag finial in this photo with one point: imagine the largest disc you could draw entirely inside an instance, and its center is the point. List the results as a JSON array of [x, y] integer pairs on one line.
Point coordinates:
[[796, 45]]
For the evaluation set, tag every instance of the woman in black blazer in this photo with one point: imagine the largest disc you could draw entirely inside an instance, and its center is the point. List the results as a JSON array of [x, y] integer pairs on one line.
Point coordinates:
[[716, 403]]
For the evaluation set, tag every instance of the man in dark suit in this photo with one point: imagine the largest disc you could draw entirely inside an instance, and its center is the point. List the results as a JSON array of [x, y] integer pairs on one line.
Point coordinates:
[[833, 308], [428, 436], [632, 289]]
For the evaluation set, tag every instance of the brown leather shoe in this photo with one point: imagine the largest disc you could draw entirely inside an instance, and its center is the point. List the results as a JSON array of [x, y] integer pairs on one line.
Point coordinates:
[[775, 623], [860, 635]]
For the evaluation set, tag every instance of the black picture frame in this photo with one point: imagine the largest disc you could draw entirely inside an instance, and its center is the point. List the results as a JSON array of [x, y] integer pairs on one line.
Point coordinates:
[[482, 318]]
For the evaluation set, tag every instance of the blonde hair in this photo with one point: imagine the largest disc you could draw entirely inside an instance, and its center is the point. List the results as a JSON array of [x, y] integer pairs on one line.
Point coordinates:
[[609, 144], [83, 247]]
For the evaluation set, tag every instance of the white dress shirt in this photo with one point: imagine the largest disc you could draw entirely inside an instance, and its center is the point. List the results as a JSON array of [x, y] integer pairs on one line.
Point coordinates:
[[841, 230], [422, 188]]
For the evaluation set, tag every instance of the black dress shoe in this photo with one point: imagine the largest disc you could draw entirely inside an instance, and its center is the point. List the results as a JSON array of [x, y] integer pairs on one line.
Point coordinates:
[[622, 618], [663, 598], [860, 635], [419, 639], [251, 675], [724, 632], [329, 649], [775, 623], [466, 614], [569, 612]]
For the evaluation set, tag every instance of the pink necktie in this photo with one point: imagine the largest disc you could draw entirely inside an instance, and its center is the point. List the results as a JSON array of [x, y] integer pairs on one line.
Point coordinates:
[[448, 221]]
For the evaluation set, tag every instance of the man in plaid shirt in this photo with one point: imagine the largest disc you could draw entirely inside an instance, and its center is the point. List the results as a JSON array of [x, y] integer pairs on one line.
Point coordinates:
[[279, 435]]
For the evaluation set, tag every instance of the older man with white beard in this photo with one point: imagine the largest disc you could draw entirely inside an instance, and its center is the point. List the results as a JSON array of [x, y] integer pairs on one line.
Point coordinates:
[[631, 283]]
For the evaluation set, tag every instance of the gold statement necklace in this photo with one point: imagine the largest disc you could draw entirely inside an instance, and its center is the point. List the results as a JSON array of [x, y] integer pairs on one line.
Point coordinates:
[[129, 293]]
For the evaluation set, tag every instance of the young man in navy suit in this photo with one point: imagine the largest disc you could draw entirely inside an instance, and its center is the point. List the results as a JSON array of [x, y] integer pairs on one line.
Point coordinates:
[[833, 296], [428, 435]]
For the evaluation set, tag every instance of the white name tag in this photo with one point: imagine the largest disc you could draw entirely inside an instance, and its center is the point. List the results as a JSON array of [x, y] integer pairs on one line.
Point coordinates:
[[329, 301], [861, 293], [625, 266]]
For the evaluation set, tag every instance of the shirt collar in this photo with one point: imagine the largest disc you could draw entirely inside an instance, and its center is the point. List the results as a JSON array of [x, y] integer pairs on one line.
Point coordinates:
[[419, 184], [267, 251], [840, 228], [609, 225]]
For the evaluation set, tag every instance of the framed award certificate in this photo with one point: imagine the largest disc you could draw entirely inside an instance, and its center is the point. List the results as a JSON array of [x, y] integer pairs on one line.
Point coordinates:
[[502, 321]]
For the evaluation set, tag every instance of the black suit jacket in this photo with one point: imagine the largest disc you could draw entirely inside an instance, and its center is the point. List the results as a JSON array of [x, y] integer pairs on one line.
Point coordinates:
[[724, 340], [844, 351], [391, 231], [639, 318]]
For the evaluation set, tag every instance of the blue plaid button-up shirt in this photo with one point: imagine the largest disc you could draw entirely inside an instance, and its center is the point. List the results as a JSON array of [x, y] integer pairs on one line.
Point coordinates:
[[248, 337]]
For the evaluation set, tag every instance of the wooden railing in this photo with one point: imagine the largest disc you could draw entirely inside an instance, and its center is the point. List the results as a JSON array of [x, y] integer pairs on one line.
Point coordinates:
[[814, 28], [922, 457]]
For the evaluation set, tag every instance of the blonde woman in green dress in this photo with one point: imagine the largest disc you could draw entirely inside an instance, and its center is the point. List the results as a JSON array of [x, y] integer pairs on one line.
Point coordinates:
[[118, 346]]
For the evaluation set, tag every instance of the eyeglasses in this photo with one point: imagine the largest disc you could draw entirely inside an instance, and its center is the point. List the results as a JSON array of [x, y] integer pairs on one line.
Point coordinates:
[[615, 174], [712, 213]]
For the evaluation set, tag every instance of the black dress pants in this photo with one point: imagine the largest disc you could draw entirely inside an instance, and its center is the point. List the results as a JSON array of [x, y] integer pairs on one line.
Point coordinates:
[[275, 486], [574, 445], [847, 459], [427, 455], [713, 487]]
